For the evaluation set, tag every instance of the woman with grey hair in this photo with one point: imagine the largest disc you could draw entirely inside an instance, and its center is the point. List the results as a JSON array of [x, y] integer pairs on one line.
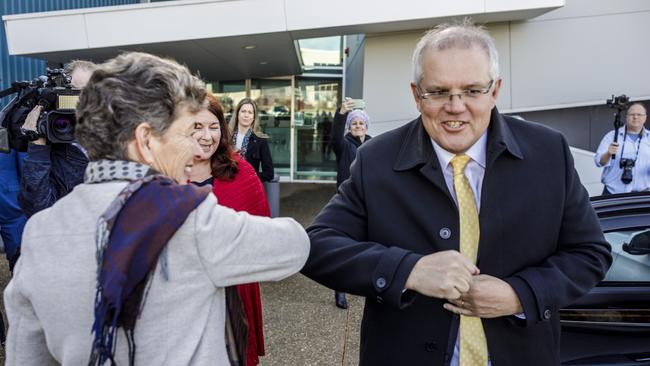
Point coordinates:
[[133, 248], [349, 131]]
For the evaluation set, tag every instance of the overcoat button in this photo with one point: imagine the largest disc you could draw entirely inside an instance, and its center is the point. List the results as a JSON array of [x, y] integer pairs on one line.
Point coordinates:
[[430, 346], [445, 233], [381, 282], [547, 314]]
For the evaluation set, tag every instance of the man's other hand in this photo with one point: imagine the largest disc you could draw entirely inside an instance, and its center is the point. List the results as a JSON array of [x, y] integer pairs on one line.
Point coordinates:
[[31, 122], [488, 297], [445, 275]]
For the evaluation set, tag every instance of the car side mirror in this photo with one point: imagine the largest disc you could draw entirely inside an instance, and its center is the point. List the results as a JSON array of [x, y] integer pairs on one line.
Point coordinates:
[[639, 243]]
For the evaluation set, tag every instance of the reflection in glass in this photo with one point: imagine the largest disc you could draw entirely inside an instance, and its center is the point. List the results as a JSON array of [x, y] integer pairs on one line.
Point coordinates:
[[316, 102], [273, 98], [626, 267], [229, 94], [321, 52]]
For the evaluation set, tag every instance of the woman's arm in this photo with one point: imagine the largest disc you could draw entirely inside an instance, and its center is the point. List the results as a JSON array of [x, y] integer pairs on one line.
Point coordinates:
[[267, 173], [237, 248]]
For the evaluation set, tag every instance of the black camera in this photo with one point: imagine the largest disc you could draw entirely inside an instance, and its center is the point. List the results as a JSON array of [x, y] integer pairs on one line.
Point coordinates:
[[627, 165], [57, 121], [620, 102]]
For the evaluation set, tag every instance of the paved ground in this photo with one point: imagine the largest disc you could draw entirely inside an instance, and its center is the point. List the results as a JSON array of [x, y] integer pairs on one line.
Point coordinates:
[[301, 324]]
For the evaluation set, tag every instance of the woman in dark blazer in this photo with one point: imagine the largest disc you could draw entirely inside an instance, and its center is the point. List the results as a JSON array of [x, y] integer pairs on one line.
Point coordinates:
[[251, 143], [349, 131]]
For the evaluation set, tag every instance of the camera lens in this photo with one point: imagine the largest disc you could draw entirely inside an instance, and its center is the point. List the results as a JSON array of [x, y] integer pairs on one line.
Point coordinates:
[[61, 124]]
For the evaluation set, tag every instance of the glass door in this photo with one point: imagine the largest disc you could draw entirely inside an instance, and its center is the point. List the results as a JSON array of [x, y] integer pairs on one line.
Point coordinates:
[[316, 102], [273, 99]]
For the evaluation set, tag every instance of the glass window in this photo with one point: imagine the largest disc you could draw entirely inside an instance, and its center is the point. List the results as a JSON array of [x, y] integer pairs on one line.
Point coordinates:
[[229, 94], [316, 102], [630, 254], [321, 52], [273, 99]]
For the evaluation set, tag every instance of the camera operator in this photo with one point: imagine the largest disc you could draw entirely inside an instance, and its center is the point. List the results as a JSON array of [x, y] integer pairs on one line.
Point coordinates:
[[50, 171], [626, 162]]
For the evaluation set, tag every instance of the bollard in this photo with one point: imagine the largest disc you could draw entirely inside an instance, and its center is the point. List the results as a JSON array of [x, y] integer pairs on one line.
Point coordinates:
[[272, 189]]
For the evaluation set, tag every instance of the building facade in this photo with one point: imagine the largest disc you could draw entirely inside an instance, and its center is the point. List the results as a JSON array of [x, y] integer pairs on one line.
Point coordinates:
[[18, 68], [559, 59]]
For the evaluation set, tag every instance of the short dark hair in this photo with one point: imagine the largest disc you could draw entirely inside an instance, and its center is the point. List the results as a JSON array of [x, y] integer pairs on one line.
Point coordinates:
[[130, 89], [223, 162]]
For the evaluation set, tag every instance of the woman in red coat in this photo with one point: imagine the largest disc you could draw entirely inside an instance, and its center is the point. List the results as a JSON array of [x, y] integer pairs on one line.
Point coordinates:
[[237, 186]]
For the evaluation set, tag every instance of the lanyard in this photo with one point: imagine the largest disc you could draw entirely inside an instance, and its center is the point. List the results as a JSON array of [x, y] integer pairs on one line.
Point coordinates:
[[638, 146]]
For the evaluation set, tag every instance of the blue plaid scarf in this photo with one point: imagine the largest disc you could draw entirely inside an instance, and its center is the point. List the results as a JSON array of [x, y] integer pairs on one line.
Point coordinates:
[[129, 244]]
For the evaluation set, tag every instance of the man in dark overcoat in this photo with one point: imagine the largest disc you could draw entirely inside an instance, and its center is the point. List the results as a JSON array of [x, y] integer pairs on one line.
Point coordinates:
[[466, 230]]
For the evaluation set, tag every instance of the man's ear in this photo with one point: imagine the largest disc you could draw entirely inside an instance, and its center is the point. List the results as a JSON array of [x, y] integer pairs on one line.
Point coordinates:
[[497, 87], [140, 148], [416, 96]]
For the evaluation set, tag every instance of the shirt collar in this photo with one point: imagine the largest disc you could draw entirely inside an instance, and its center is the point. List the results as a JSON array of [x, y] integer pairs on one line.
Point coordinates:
[[477, 152]]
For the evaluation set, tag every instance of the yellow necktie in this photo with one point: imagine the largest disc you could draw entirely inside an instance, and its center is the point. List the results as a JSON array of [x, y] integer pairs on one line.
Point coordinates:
[[473, 345]]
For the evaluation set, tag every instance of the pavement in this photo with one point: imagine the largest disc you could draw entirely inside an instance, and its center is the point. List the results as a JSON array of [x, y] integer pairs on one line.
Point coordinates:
[[302, 326]]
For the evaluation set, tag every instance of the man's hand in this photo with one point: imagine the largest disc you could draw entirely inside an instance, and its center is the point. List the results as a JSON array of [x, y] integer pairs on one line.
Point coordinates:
[[488, 297], [32, 120], [613, 148], [346, 106], [445, 275]]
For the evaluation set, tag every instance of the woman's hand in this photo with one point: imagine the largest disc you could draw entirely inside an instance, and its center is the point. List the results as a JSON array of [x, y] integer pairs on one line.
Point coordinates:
[[346, 106]]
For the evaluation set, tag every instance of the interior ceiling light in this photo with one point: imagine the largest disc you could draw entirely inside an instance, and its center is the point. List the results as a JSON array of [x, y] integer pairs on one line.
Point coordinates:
[[250, 47], [263, 62]]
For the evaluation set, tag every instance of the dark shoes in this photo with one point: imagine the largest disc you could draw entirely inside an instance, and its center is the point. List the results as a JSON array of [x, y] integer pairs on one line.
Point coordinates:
[[341, 302]]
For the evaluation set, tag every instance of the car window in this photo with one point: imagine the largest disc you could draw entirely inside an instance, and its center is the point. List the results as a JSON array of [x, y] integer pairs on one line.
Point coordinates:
[[630, 255]]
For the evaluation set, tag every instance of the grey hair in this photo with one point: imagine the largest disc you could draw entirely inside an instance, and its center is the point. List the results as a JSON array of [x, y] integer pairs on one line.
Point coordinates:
[[79, 65], [458, 35], [130, 89]]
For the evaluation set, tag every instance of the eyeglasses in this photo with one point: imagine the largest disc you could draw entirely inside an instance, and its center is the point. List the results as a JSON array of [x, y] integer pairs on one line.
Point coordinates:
[[636, 115], [440, 97]]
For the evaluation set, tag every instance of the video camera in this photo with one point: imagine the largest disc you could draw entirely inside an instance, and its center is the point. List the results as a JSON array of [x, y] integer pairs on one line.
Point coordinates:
[[57, 121], [619, 103]]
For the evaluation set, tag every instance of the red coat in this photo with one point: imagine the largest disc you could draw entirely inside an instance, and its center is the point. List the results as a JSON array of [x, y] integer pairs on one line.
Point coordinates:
[[246, 193]]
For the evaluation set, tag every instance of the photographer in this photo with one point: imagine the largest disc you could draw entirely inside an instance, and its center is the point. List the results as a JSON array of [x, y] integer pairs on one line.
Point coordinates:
[[50, 171], [626, 162]]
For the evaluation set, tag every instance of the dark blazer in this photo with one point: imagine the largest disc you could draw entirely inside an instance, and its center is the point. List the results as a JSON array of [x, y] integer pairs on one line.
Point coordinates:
[[258, 155], [539, 233], [345, 147]]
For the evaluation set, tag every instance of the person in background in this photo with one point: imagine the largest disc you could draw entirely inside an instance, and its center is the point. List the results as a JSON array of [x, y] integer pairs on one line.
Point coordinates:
[[249, 140], [629, 170], [131, 266], [236, 186], [12, 219], [52, 170], [349, 132]]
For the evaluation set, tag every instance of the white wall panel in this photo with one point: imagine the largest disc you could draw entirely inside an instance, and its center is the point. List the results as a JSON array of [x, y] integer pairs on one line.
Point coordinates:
[[191, 21], [345, 12], [578, 60]]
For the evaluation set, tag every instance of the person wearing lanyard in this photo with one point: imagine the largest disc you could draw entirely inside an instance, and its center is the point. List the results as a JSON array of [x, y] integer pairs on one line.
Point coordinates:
[[626, 167]]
